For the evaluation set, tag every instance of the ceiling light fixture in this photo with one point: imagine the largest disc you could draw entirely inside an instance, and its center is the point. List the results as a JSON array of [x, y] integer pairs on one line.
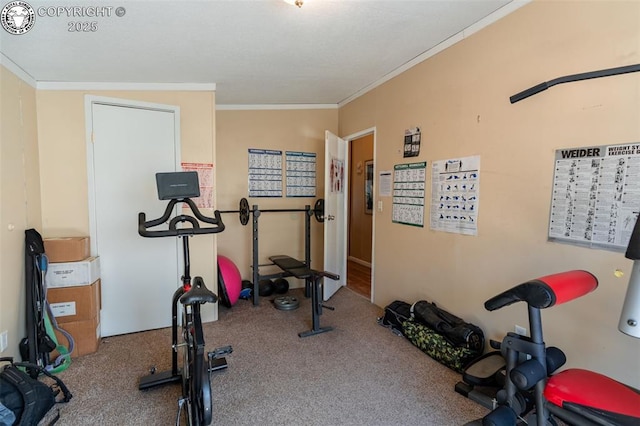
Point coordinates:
[[298, 3]]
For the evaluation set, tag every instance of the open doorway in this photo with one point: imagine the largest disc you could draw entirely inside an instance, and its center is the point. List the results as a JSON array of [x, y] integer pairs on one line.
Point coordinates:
[[361, 210]]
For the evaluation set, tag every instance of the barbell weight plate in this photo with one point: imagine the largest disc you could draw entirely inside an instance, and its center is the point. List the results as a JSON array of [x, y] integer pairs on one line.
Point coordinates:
[[244, 211], [318, 210], [286, 303]]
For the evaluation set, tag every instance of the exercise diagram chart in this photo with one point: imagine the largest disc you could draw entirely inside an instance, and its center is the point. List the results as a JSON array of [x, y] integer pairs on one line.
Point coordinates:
[[265, 173], [408, 193], [596, 195], [205, 179], [301, 174], [455, 195]]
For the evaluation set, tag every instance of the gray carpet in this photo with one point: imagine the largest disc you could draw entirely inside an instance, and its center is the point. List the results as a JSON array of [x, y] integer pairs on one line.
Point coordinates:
[[358, 374]]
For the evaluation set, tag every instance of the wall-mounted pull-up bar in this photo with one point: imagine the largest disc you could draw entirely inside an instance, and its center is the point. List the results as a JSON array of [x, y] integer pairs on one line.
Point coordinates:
[[575, 77]]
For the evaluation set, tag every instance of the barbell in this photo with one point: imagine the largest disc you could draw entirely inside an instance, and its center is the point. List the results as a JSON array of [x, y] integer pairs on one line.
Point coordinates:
[[244, 211]]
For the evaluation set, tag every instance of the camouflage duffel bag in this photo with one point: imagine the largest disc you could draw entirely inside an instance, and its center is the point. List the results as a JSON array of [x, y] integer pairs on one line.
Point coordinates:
[[438, 347]]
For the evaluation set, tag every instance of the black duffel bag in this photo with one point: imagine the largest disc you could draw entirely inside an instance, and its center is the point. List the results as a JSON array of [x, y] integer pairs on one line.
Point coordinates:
[[395, 314], [458, 332]]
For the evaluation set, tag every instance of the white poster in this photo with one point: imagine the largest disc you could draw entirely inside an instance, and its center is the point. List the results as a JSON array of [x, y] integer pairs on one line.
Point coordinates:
[[455, 195], [205, 180], [596, 195], [384, 183]]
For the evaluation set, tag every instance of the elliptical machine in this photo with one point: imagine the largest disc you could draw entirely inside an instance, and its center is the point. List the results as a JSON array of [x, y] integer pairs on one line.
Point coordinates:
[[196, 368], [575, 396]]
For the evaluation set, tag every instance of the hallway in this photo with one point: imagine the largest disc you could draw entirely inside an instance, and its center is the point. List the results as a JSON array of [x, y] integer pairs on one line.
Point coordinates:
[[359, 278]]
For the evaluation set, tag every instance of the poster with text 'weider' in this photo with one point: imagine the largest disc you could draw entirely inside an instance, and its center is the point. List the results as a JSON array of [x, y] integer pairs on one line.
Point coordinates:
[[596, 195]]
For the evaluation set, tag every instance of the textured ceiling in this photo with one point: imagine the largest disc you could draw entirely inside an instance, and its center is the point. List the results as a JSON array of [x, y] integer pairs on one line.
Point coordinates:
[[255, 52]]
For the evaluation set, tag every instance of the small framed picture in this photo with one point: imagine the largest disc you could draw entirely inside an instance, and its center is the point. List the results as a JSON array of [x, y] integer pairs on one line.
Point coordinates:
[[368, 187]]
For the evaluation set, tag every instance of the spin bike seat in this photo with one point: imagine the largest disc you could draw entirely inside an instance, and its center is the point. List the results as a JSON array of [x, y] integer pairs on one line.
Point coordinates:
[[199, 293], [592, 394], [546, 291]]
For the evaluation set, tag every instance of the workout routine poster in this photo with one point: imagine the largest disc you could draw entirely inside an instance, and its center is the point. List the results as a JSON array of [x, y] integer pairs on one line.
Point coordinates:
[[596, 195], [265, 173], [205, 180], [455, 195], [408, 193], [301, 174]]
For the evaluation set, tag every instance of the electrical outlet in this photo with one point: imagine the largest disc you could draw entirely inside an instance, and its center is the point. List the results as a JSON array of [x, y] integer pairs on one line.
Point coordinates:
[[4, 339], [520, 330]]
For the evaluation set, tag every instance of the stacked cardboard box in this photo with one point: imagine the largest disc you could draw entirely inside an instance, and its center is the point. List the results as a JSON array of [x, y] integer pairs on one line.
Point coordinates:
[[73, 291]]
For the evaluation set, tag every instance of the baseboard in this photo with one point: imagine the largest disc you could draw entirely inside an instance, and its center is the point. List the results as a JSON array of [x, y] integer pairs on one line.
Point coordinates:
[[359, 261]]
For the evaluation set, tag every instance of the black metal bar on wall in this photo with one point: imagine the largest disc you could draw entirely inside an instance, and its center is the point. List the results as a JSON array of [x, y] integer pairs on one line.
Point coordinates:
[[574, 77]]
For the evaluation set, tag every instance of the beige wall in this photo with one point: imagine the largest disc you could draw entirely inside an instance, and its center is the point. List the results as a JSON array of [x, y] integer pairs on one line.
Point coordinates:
[[19, 199], [62, 143], [460, 99], [279, 233]]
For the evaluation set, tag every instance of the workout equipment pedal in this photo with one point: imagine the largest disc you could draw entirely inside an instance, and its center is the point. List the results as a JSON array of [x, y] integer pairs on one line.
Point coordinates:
[[216, 358]]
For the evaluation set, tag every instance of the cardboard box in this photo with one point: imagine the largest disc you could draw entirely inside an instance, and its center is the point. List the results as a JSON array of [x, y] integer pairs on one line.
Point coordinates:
[[70, 274], [71, 249], [71, 304], [86, 336]]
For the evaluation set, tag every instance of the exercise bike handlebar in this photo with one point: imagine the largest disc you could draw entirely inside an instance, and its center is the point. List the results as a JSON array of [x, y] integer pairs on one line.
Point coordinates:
[[174, 231]]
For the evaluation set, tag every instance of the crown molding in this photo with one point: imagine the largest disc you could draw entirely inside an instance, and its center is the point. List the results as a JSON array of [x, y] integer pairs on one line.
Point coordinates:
[[19, 72], [472, 29], [274, 107], [186, 87]]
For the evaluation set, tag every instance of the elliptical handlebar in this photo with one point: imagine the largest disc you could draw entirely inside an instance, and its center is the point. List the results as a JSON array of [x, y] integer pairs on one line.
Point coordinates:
[[174, 231]]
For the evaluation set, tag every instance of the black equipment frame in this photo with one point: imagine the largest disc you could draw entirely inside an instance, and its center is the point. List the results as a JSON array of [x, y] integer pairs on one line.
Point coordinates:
[[255, 250], [197, 366]]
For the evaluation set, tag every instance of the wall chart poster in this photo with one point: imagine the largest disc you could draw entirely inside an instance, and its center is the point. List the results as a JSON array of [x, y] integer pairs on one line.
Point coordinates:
[[455, 195], [301, 174], [596, 195], [412, 142], [408, 193], [205, 180], [265, 173]]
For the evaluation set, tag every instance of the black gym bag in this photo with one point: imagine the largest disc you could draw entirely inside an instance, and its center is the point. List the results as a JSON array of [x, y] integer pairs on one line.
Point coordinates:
[[395, 314], [27, 398], [458, 332]]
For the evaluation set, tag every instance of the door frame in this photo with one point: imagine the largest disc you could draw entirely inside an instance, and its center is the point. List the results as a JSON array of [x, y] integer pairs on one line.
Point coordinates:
[[89, 101], [349, 139]]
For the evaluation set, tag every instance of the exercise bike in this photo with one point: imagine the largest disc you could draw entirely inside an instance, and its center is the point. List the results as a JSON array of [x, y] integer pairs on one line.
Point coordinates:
[[195, 373], [575, 396]]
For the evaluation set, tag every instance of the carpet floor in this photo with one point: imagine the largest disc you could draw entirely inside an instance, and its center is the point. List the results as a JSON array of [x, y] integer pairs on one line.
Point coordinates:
[[357, 374]]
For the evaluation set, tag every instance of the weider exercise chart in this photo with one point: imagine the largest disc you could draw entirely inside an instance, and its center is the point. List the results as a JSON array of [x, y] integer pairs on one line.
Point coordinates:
[[596, 195]]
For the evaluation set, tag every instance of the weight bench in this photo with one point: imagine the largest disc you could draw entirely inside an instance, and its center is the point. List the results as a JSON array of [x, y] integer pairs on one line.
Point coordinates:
[[312, 279]]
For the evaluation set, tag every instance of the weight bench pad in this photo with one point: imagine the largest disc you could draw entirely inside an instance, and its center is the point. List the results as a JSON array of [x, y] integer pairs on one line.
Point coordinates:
[[294, 267]]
